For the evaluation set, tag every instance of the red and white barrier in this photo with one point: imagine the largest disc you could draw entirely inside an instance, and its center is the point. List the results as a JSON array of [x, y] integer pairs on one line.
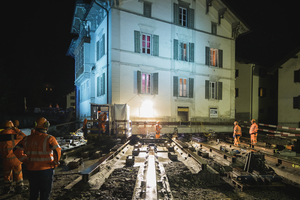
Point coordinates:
[[277, 133]]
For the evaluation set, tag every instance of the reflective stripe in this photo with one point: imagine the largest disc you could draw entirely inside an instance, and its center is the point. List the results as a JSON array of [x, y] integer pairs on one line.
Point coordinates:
[[11, 158], [56, 146], [38, 152], [18, 172], [18, 147], [41, 159], [22, 158], [7, 172]]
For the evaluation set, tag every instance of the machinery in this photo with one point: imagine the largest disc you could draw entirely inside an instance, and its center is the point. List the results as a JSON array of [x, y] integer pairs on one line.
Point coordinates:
[[117, 123]]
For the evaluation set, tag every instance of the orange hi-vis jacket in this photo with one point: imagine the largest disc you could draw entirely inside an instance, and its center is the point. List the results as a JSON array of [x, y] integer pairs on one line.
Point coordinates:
[[237, 130], [253, 129], [43, 151], [157, 128], [9, 138]]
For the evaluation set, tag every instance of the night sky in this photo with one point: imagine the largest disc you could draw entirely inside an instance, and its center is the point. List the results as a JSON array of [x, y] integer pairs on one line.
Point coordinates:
[[36, 36]]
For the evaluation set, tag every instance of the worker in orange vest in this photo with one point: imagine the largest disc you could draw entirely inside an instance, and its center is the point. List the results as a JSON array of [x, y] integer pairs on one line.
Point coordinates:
[[84, 128], [237, 133], [157, 130], [101, 121], [253, 132], [43, 155], [9, 137]]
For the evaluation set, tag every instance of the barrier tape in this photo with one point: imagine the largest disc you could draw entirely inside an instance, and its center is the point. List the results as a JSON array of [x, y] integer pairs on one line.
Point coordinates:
[[276, 133], [274, 126]]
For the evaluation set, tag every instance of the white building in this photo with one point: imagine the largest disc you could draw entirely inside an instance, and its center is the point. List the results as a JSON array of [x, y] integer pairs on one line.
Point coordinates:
[[170, 60], [288, 89], [70, 100], [255, 93]]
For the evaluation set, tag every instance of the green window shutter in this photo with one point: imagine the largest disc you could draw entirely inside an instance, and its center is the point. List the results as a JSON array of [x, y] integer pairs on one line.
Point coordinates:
[[137, 41], [139, 86], [147, 9], [98, 50], [191, 87], [191, 18], [175, 49], [206, 89], [175, 86], [155, 83], [98, 86], [191, 52], [220, 88], [103, 84], [176, 14], [103, 45], [220, 58], [207, 55], [155, 45]]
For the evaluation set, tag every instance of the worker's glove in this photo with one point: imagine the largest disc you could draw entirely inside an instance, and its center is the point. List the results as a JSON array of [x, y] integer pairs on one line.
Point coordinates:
[[234, 136]]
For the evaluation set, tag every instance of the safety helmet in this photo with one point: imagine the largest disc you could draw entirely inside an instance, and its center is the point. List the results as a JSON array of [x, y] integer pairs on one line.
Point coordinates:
[[16, 123], [41, 123], [158, 122], [253, 120], [8, 124]]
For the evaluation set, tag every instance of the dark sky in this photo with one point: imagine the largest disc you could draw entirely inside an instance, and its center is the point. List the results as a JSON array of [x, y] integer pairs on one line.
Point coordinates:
[[36, 36]]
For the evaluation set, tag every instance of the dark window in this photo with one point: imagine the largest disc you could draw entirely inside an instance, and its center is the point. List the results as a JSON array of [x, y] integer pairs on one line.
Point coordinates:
[[147, 9], [296, 102], [236, 73], [236, 92], [183, 51], [183, 15], [213, 90], [297, 76], [214, 28]]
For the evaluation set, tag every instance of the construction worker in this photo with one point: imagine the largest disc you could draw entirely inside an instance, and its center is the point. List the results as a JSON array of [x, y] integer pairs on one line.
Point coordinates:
[[84, 128], [9, 137], [157, 129], [237, 133], [43, 155], [253, 132], [102, 119]]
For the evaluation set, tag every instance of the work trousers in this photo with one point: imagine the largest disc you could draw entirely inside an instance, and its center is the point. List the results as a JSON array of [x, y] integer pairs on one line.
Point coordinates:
[[40, 183], [16, 167], [254, 138], [157, 135], [237, 140]]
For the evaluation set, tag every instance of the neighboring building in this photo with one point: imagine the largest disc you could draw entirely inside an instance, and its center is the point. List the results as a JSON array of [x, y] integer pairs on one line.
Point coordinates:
[[255, 92], [288, 89], [170, 60], [71, 100]]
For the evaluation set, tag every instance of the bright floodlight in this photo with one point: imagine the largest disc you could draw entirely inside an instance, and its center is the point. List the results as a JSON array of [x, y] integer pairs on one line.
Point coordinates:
[[146, 109]]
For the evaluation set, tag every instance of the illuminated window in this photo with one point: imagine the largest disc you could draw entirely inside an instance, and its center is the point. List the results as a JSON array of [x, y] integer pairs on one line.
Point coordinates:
[[183, 51], [182, 16], [262, 92], [182, 87], [147, 83], [146, 44], [214, 57]]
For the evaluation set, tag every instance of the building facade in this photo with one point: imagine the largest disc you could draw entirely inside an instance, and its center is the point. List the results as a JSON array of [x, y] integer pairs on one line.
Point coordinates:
[[171, 60]]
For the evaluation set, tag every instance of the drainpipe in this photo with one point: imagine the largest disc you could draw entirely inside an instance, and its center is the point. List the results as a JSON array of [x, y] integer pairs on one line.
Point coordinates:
[[107, 57], [251, 99]]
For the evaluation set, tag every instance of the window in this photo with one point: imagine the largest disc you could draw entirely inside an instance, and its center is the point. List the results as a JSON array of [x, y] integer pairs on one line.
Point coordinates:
[[147, 83], [297, 76], [100, 47], [79, 61], [296, 102], [146, 43], [214, 57], [236, 92], [101, 85], [183, 15], [183, 51], [262, 92], [214, 28], [183, 87], [147, 9], [236, 73], [85, 92], [213, 90]]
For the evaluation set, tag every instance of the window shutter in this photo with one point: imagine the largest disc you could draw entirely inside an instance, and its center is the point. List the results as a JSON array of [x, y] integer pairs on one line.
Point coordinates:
[[206, 89], [175, 86], [137, 41], [176, 14], [155, 45], [191, 18], [103, 84], [220, 58], [155, 83], [175, 49], [191, 87], [220, 88], [103, 45], [139, 86], [191, 50], [207, 55], [98, 86], [98, 50]]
